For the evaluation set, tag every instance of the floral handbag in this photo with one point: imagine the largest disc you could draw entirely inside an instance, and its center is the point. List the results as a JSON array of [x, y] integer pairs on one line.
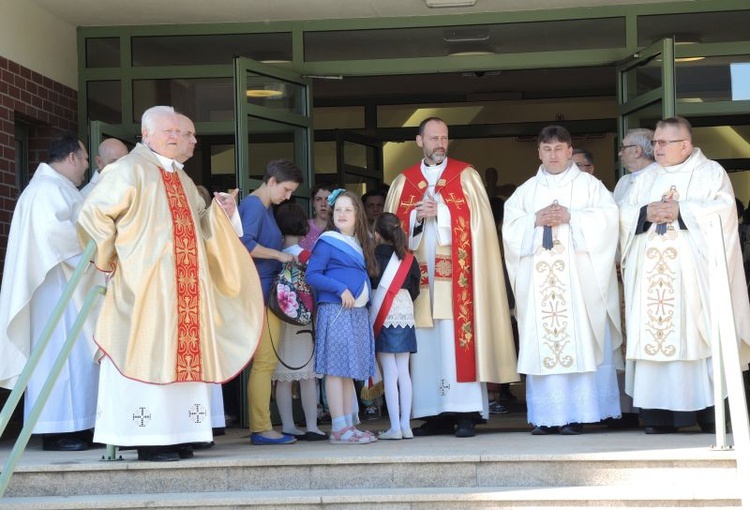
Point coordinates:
[[291, 298]]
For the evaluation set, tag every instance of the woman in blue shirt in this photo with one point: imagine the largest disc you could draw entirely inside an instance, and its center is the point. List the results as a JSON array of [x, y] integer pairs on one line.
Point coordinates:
[[263, 240]]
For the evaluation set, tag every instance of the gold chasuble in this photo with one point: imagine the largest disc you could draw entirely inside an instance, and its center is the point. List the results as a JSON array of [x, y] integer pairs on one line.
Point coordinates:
[[183, 303], [469, 285]]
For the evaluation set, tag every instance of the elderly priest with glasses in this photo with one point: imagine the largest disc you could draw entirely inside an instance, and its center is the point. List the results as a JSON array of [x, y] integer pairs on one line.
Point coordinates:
[[664, 224]]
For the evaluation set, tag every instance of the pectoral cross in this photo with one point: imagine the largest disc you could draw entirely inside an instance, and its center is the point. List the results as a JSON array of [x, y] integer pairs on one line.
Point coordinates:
[[455, 201]]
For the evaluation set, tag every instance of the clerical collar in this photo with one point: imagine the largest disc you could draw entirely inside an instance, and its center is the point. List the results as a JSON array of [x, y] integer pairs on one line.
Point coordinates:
[[434, 168], [167, 164]]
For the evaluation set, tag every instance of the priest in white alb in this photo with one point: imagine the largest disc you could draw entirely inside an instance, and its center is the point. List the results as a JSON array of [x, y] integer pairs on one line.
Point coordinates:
[[183, 307], [664, 230], [560, 237], [463, 329], [42, 253]]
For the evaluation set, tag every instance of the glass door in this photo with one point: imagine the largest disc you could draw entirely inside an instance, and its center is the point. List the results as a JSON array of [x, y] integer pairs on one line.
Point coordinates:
[[646, 88], [359, 162], [273, 120], [273, 116]]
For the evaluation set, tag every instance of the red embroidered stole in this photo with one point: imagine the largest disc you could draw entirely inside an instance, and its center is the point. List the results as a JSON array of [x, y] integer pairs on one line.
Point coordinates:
[[393, 288], [189, 364], [449, 187]]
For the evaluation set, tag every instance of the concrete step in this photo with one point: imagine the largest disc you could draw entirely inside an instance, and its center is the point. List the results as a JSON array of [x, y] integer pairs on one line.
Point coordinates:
[[529, 498], [372, 471], [496, 469]]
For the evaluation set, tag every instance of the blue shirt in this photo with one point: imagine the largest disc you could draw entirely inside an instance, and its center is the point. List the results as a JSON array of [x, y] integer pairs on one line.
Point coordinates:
[[260, 228]]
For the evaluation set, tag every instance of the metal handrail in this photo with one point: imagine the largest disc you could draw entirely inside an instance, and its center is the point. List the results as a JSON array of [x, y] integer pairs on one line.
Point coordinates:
[[725, 354], [33, 362]]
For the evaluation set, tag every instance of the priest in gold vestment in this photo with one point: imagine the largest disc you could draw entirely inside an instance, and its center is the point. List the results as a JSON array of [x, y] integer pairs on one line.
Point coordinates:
[[183, 306], [664, 222], [464, 336], [560, 237]]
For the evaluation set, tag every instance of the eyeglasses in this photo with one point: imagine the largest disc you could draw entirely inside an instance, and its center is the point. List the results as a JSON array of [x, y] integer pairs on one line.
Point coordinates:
[[623, 147], [662, 143]]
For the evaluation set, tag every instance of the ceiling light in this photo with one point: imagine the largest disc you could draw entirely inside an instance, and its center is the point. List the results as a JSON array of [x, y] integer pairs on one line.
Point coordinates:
[[264, 93], [450, 3], [469, 53]]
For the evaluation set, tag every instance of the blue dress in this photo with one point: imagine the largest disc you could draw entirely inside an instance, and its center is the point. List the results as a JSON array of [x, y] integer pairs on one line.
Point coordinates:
[[344, 343], [260, 228]]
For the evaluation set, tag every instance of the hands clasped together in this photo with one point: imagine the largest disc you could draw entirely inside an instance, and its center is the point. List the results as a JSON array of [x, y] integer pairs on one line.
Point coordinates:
[[663, 211], [552, 215], [427, 208]]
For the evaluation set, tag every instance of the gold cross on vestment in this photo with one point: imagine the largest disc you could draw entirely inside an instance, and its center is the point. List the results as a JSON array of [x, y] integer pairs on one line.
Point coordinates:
[[455, 201], [411, 203]]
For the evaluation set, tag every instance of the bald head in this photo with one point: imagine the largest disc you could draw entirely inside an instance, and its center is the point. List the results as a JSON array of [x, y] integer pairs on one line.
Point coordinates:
[[110, 150]]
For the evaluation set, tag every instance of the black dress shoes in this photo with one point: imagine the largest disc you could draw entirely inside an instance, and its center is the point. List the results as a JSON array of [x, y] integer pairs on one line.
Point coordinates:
[[708, 428], [659, 430], [159, 453], [465, 428], [434, 427], [571, 429], [541, 430], [64, 443]]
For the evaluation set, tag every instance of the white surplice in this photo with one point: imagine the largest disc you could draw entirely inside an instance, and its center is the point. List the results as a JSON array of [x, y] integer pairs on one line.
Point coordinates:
[[433, 366], [567, 301], [42, 252], [667, 285]]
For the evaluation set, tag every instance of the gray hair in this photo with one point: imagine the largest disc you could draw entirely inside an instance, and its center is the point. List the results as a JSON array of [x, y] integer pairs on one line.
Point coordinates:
[[642, 138], [149, 116]]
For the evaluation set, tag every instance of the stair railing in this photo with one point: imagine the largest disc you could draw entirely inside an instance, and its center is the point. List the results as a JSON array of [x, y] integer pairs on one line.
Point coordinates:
[[39, 347], [726, 360]]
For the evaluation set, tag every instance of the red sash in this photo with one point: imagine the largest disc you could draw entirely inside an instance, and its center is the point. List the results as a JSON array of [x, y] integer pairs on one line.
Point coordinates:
[[449, 187], [393, 288]]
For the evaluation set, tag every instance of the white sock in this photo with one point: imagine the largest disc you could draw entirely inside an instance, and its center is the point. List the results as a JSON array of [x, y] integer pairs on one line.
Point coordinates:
[[338, 423]]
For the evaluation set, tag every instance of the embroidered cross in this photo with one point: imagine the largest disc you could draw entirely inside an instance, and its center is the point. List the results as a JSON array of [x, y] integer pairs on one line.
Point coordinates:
[[444, 388], [455, 201], [411, 203], [197, 413], [142, 417]]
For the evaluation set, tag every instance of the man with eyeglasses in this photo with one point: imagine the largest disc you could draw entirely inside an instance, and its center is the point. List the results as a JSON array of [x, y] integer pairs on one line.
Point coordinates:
[[663, 224], [636, 154], [584, 160]]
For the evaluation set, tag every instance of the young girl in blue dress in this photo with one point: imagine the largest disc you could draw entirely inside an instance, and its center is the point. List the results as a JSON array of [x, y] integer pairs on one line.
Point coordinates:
[[342, 261], [392, 313]]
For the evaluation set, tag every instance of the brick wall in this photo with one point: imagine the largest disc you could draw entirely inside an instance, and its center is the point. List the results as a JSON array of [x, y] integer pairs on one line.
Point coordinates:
[[44, 105]]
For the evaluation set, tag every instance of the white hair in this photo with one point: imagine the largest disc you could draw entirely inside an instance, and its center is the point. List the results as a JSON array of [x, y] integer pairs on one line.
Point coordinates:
[[642, 138], [149, 116]]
